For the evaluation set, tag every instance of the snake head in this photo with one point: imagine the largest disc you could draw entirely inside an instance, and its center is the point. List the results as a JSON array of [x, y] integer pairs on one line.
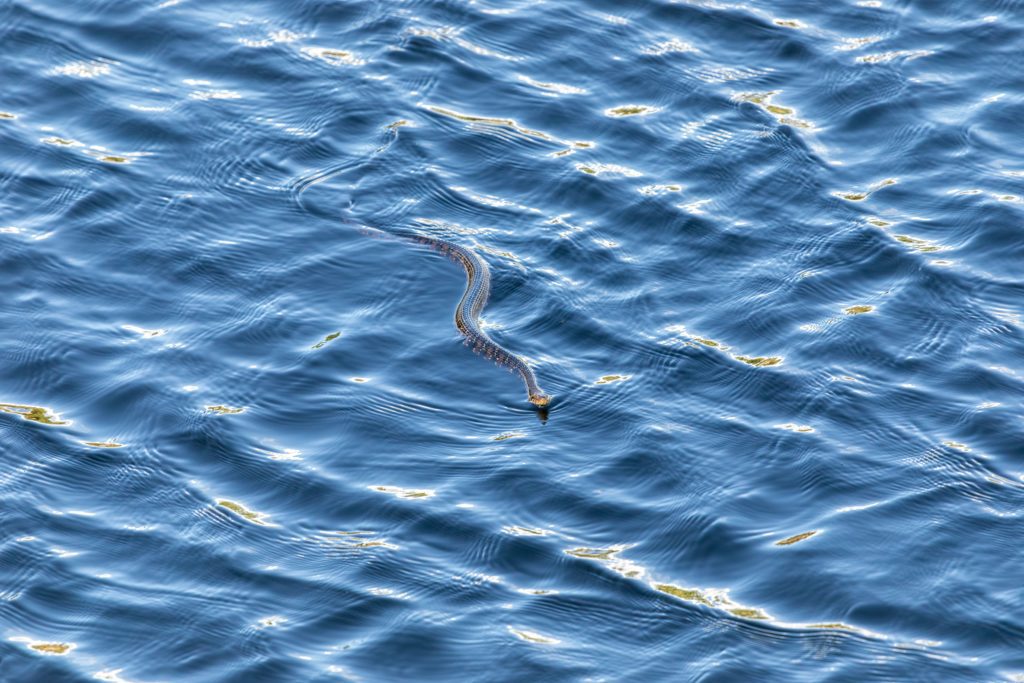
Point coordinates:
[[540, 399]]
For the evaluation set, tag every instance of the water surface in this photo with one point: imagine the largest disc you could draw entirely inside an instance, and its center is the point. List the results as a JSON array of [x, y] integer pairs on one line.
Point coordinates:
[[766, 256]]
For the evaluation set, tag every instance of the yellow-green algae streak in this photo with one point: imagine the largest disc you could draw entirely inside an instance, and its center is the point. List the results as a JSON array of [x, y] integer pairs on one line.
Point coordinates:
[[243, 512], [52, 648], [33, 413], [796, 539], [712, 598]]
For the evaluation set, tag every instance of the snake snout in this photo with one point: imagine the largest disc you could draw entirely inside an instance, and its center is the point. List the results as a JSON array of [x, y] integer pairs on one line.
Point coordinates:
[[540, 400]]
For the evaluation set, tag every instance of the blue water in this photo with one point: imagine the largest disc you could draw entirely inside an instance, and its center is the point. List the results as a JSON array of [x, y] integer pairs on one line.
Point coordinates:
[[767, 256]]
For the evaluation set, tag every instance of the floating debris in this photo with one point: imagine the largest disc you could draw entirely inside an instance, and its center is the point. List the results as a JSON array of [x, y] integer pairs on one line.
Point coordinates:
[[533, 637]]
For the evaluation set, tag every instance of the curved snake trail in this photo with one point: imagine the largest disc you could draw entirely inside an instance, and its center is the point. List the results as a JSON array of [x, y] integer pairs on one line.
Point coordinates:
[[467, 313]]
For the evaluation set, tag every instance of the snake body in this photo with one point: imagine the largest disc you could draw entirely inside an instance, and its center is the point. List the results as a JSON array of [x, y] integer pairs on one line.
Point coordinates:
[[478, 284], [467, 315]]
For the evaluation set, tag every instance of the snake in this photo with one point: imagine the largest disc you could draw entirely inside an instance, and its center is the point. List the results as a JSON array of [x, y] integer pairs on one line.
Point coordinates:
[[474, 298], [467, 314]]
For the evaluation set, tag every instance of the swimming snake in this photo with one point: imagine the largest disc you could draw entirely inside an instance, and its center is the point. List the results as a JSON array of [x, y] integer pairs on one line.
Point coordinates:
[[467, 314], [478, 287]]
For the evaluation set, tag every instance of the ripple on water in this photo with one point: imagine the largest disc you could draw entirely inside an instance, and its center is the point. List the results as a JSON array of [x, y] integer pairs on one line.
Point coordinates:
[[785, 115], [85, 69], [334, 56], [597, 169], [492, 124], [553, 88], [533, 637]]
